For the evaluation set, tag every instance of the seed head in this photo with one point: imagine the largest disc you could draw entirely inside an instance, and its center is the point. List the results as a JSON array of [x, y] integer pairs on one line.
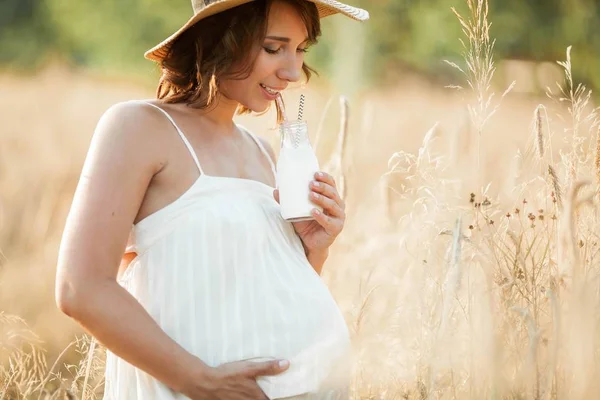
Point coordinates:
[[538, 131], [556, 194]]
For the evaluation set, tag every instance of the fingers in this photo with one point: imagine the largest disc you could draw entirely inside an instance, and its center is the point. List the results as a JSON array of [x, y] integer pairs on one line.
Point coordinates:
[[237, 379], [326, 186], [267, 367], [333, 226], [326, 178], [331, 207], [325, 194]]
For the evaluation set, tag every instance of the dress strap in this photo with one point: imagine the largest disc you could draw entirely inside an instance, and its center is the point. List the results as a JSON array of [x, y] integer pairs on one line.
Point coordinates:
[[187, 143], [262, 148]]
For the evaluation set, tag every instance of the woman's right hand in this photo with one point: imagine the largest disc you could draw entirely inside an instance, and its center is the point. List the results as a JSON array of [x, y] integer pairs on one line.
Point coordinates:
[[235, 381]]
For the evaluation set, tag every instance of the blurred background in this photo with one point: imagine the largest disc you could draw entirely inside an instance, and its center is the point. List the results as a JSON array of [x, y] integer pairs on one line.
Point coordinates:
[[403, 34], [63, 63]]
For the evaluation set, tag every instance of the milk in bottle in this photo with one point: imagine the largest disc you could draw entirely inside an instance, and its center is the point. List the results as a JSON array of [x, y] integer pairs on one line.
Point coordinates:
[[296, 168]]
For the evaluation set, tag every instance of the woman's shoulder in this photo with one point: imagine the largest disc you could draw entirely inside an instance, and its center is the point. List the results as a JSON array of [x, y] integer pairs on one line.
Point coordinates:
[[133, 127], [136, 120], [140, 113]]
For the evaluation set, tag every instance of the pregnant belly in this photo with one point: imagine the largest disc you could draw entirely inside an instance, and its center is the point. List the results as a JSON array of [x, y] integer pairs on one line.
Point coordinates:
[[302, 326], [258, 312]]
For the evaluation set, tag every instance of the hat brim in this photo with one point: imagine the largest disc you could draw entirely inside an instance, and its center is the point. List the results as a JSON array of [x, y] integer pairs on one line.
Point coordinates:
[[325, 8]]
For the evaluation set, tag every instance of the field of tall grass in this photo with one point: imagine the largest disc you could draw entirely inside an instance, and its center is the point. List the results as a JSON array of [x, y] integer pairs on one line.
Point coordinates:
[[469, 267]]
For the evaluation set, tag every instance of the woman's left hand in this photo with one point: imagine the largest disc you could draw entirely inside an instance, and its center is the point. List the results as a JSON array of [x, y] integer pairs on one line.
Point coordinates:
[[320, 233]]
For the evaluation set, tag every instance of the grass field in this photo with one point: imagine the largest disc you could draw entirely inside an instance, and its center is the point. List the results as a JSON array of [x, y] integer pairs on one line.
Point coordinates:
[[469, 266]]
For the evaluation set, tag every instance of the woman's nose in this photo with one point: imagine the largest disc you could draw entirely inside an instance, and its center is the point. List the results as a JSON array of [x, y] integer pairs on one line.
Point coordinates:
[[292, 70]]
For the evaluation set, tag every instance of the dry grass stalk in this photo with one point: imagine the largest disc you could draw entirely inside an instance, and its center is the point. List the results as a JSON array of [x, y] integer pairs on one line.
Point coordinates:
[[450, 291], [573, 205], [576, 96], [480, 66], [88, 367], [556, 187], [408, 173], [50, 372], [385, 193], [335, 165], [322, 122], [539, 131], [28, 375], [578, 100], [579, 362]]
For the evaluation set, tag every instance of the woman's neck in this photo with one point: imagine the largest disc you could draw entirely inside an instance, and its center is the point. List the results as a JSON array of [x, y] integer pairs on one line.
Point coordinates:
[[220, 116]]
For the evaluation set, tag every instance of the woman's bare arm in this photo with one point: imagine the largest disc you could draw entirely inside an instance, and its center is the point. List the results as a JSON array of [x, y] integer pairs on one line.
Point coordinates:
[[120, 164]]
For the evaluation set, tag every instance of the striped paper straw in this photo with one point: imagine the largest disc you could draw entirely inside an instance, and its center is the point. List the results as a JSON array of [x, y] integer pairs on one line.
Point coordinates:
[[301, 108]]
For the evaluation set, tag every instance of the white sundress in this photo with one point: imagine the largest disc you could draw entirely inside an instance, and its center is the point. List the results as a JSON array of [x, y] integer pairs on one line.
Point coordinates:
[[226, 277]]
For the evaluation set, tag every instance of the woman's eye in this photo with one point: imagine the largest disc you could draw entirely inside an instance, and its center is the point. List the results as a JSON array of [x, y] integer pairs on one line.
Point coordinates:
[[275, 51]]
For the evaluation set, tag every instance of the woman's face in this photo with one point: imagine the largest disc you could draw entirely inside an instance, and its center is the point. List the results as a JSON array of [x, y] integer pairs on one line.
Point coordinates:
[[279, 60]]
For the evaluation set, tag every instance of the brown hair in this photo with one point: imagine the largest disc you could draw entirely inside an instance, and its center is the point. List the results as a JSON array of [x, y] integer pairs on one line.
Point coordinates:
[[206, 53]]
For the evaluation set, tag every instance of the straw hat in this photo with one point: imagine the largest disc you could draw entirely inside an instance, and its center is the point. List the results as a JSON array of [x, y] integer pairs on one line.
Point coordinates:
[[203, 10]]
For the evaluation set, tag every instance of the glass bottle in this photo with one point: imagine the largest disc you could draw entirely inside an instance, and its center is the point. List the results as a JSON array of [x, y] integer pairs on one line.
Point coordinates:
[[296, 168]]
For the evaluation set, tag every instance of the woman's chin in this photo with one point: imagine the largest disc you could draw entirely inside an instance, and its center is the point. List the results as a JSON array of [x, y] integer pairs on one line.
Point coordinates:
[[259, 107]]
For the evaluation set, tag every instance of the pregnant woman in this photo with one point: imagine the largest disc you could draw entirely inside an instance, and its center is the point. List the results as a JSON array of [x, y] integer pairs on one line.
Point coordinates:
[[217, 296]]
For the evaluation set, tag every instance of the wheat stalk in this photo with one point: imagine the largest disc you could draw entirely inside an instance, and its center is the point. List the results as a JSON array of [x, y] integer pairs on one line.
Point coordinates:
[[335, 165], [555, 186], [322, 122], [539, 131]]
